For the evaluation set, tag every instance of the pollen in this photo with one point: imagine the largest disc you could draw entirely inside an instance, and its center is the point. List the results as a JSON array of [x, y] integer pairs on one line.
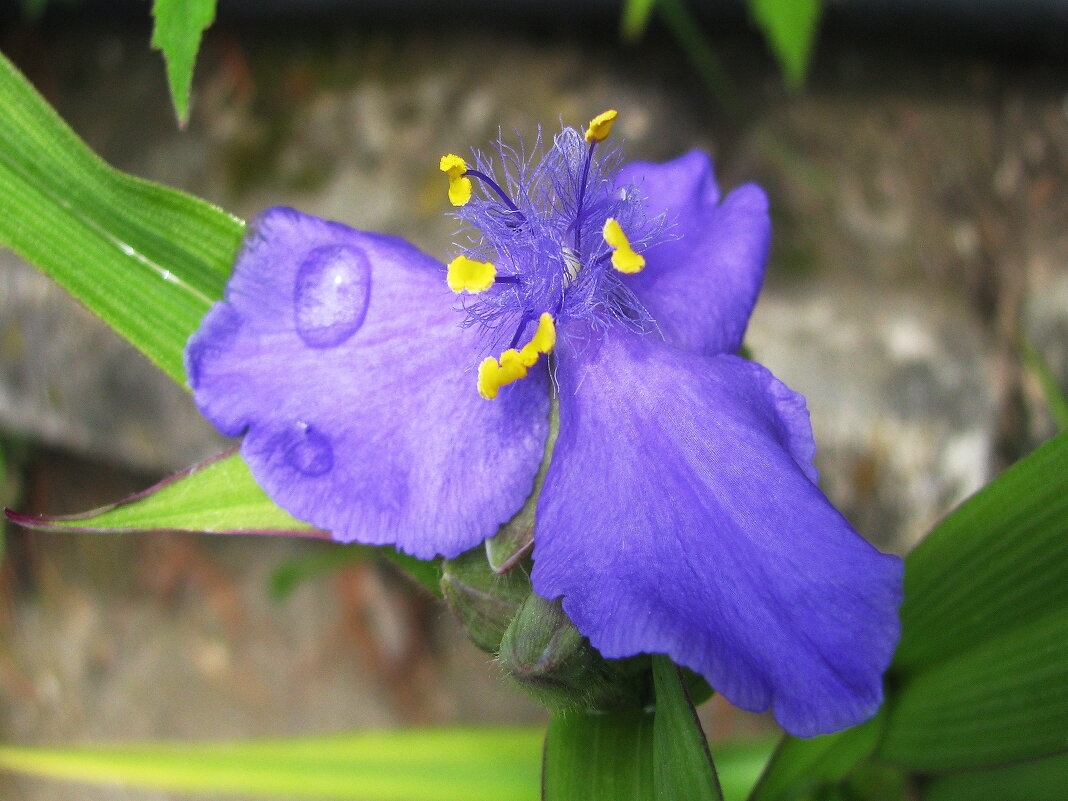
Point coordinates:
[[468, 274], [544, 338], [601, 126], [514, 364], [459, 185], [624, 258]]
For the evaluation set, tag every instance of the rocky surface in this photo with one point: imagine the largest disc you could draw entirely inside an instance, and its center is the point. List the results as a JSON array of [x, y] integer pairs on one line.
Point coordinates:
[[920, 241]]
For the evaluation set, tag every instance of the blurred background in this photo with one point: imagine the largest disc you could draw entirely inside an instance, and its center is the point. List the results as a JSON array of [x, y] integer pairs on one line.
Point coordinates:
[[917, 295]]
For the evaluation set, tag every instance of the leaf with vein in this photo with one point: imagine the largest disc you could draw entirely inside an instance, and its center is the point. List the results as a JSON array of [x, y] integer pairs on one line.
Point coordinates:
[[148, 260]]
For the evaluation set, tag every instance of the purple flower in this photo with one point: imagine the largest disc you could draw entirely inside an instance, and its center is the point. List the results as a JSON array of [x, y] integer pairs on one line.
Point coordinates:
[[680, 512]]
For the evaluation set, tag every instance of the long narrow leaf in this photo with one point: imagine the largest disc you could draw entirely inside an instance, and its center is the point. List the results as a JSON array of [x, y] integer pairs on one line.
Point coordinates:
[[998, 562], [421, 765], [1039, 780], [682, 765], [599, 757], [799, 764], [219, 496], [1056, 401], [148, 260], [1004, 701], [739, 765]]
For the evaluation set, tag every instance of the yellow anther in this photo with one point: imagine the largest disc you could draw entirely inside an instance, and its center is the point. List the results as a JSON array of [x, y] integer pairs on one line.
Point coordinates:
[[513, 365], [601, 126], [492, 375], [543, 341], [474, 276], [488, 382], [459, 186], [624, 258]]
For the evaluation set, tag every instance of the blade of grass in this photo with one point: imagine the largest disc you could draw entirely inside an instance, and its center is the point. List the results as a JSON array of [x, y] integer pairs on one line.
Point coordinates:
[[459, 764], [149, 260]]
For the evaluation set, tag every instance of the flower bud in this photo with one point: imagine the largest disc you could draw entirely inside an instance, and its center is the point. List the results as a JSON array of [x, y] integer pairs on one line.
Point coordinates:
[[545, 654], [483, 600]]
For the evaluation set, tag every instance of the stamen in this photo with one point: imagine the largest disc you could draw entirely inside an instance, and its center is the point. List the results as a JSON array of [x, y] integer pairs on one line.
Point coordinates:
[[599, 129], [492, 185], [459, 185], [514, 364], [601, 126], [468, 274], [544, 339], [624, 258]]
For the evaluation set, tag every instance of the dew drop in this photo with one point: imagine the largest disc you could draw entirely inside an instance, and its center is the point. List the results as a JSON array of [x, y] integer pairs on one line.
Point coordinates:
[[309, 452], [330, 298]]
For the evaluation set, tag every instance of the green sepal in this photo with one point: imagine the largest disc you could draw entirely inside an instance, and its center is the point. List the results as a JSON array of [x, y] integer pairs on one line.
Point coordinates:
[[544, 654], [484, 601]]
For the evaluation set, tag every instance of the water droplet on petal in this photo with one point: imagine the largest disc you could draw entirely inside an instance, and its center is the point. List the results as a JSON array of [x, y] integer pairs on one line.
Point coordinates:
[[309, 452], [330, 298]]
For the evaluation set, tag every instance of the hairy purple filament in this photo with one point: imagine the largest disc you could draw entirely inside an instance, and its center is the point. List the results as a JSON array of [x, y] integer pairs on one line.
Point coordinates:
[[582, 196], [489, 182]]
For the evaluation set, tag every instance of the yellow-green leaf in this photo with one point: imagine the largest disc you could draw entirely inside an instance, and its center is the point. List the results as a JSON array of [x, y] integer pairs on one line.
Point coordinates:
[[457, 764], [219, 496]]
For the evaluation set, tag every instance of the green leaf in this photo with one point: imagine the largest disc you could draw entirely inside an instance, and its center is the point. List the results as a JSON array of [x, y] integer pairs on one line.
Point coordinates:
[[1004, 700], [981, 674], [149, 260], [179, 25], [460, 764], [682, 765], [293, 572], [800, 765], [998, 562], [330, 557], [694, 44], [605, 757], [740, 763], [1056, 402], [1040, 780], [634, 755], [790, 28], [635, 18], [219, 496]]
